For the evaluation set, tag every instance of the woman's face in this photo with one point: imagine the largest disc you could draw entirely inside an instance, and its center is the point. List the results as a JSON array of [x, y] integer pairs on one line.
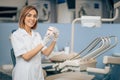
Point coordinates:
[[31, 19]]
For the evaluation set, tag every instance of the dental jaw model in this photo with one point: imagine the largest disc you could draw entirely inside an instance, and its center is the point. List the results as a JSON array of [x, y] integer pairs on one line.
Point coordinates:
[[51, 34]]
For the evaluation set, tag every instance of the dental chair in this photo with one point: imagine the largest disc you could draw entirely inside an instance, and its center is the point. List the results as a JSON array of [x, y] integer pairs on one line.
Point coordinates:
[[13, 57], [111, 70]]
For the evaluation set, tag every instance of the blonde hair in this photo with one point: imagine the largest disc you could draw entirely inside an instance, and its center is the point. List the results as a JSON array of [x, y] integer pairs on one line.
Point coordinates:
[[23, 14]]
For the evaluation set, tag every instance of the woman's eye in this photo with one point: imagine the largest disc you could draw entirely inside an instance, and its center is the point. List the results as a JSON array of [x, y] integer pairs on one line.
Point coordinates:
[[35, 16], [29, 15]]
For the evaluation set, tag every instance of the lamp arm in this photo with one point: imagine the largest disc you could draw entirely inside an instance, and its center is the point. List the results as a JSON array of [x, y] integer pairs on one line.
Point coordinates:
[[72, 34], [112, 19]]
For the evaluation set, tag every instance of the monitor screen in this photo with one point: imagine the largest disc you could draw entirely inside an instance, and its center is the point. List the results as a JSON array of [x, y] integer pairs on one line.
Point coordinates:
[[71, 4]]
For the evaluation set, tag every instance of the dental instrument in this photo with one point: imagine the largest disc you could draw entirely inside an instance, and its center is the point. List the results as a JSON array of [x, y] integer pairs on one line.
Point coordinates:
[[89, 60]]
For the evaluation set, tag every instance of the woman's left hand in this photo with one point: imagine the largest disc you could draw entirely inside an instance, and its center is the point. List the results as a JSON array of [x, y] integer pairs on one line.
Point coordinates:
[[55, 33]]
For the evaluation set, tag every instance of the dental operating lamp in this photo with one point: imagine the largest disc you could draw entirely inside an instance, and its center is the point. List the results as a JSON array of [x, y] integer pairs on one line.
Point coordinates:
[[92, 21]]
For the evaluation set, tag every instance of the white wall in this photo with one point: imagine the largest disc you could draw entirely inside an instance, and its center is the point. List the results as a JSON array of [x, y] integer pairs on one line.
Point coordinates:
[[64, 15], [89, 7], [13, 3]]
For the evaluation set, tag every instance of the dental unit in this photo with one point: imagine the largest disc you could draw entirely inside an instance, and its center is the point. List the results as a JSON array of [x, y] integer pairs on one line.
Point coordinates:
[[93, 50]]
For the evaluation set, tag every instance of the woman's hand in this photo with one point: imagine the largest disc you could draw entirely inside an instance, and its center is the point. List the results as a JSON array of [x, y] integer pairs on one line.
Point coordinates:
[[56, 34], [51, 34]]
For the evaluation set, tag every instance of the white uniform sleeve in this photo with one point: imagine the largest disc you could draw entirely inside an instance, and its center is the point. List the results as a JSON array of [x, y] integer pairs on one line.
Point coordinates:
[[18, 45]]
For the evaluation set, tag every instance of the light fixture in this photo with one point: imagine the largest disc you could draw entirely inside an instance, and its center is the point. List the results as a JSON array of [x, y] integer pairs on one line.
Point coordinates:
[[91, 21]]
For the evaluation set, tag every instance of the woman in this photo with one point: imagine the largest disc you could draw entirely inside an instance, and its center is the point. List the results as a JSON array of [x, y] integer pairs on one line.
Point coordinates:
[[28, 46]]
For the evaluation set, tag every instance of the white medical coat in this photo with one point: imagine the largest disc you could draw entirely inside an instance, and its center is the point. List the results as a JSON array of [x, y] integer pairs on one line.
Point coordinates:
[[22, 42]]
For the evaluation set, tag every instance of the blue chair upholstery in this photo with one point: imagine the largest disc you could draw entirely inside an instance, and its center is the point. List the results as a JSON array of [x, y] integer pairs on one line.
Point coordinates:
[[13, 57]]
